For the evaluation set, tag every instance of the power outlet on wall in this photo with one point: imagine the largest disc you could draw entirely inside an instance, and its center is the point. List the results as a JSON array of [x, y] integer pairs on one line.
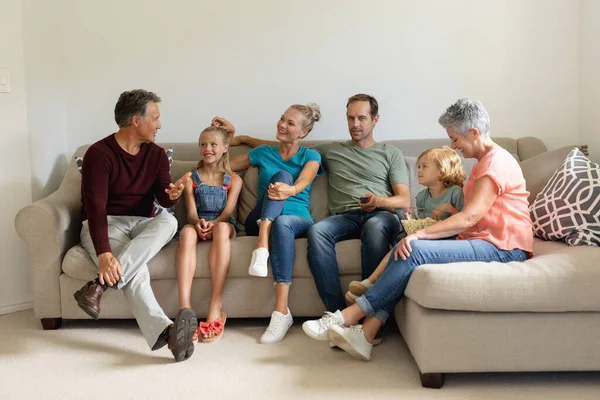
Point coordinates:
[[4, 80]]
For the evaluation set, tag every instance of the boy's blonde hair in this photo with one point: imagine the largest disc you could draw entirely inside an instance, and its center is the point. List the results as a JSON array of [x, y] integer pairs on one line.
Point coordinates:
[[224, 165], [448, 162]]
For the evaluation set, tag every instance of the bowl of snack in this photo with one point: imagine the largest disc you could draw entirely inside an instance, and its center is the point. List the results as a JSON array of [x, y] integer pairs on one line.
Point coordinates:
[[414, 218]]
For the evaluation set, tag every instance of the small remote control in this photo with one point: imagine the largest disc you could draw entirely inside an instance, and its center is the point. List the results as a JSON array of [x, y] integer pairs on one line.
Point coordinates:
[[364, 199]]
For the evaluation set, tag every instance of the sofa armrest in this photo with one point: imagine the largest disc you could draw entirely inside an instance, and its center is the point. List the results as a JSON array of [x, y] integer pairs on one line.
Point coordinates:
[[50, 227]]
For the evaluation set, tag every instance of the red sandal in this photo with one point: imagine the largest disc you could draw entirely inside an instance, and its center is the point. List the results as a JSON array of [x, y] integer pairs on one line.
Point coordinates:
[[216, 327]]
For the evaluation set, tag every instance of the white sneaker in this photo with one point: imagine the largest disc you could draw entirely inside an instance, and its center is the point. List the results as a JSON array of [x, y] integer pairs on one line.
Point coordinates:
[[376, 341], [317, 328], [351, 340], [258, 263], [277, 328]]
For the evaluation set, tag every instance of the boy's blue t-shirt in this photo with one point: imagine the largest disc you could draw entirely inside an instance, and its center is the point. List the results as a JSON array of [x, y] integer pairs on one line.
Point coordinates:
[[268, 161]]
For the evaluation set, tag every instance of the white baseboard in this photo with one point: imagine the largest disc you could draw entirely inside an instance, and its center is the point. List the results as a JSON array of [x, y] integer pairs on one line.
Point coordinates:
[[11, 308]]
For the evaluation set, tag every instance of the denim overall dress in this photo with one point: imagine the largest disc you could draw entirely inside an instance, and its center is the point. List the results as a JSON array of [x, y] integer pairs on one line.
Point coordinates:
[[211, 200]]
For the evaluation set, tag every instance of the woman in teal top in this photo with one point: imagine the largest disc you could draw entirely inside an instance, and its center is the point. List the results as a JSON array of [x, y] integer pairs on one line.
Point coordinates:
[[285, 174]]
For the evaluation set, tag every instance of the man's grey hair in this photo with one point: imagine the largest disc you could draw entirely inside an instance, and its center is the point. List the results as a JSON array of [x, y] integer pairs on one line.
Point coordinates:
[[465, 115], [133, 102]]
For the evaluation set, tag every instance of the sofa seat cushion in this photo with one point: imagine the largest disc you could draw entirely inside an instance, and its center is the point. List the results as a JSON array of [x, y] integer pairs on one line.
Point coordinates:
[[558, 278], [78, 264]]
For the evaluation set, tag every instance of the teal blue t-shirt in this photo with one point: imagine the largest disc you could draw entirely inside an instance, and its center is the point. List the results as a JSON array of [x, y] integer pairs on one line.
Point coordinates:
[[268, 161]]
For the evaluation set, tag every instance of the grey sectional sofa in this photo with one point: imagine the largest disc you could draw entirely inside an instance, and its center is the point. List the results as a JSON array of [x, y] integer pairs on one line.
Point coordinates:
[[533, 316]]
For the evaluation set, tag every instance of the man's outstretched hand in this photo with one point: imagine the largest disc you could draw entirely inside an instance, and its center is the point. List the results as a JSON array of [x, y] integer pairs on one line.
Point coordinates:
[[175, 189]]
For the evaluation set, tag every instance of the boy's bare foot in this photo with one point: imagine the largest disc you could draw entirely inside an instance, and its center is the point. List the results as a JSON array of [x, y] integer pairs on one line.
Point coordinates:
[[357, 289]]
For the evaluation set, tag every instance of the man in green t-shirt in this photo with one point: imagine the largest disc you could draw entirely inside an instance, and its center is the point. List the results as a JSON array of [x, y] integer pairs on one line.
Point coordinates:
[[367, 182]]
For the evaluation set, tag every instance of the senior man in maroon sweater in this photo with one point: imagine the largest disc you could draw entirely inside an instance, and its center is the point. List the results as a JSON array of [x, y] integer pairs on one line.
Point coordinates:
[[121, 176]]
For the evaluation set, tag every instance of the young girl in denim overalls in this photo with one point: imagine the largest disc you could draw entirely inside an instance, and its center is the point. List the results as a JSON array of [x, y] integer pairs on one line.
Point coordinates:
[[210, 198]]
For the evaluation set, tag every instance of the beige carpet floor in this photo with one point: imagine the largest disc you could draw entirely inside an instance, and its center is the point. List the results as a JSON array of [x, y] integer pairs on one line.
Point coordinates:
[[110, 360]]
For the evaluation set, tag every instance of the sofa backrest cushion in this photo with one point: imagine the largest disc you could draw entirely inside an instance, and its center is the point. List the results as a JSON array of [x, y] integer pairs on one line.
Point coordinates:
[[178, 168], [186, 155], [248, 196], [522, 148], [538, 169]]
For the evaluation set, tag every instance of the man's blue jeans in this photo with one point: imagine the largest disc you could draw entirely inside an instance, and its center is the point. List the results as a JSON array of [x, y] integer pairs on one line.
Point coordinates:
[[284, 230], [376, 231], [381, 299]]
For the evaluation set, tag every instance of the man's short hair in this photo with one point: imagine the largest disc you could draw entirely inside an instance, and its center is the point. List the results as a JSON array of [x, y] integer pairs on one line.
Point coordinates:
[[373, 105], [133, 102]]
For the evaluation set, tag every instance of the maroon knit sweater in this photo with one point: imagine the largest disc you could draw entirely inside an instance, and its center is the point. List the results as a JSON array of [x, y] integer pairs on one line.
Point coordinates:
[[115, 182]]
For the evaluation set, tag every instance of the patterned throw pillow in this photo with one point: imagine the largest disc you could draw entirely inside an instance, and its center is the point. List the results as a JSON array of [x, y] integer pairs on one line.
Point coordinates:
[[568, 207], [157, 207]]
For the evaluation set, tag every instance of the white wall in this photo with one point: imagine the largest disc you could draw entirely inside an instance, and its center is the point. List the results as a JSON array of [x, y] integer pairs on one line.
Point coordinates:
[[15, 173], [45, 85], [588, 80], [249, 60]]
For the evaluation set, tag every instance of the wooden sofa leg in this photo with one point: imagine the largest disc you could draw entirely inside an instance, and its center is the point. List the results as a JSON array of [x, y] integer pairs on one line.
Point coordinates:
[[51, 324], [433, 381]]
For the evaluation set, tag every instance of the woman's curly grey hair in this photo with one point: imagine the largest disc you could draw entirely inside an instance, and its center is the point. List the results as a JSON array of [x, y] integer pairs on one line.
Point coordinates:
[[465, 115]]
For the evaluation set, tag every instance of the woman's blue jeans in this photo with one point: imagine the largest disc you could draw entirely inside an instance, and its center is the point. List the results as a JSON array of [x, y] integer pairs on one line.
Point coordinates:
[[381, 299], [284, 230]]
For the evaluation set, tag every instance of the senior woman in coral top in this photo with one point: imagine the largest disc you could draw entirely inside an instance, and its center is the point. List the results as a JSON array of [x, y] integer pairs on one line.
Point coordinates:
[[494, 225]]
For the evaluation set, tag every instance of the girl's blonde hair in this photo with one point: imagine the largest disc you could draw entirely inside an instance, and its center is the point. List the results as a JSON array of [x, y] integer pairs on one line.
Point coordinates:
[[448, 162], [224, 165]]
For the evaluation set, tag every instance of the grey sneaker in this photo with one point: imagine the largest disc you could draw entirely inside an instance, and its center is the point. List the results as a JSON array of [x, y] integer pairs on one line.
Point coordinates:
[[317, 328], [351, 340], [180, 334]]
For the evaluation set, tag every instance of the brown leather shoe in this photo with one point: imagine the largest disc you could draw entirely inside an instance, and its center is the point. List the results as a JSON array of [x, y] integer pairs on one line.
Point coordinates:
[[180, 334], [88, 299]]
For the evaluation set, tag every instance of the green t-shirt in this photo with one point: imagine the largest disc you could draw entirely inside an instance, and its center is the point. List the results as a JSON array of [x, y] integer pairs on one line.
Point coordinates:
[[452, 195], [354, 171]]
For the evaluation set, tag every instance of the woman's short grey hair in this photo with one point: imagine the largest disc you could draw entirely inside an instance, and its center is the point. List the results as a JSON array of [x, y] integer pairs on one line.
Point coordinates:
[[133, 102], [465, 115]]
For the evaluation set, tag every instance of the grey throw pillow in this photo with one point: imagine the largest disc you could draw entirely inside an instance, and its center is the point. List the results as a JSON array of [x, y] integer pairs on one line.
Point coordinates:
[[157, 207], [568, 207]]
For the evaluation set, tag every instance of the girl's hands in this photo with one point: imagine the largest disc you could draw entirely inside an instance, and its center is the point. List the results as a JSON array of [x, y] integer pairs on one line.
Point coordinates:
[[204, 229]]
